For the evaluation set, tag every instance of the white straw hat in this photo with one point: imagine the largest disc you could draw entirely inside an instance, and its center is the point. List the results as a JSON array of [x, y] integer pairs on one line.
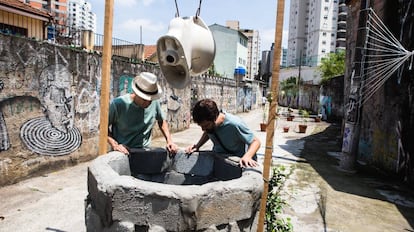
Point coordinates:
[[145, 86]]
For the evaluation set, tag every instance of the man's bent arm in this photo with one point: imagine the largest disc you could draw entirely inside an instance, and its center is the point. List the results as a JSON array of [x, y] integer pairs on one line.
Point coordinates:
[[163, 125]]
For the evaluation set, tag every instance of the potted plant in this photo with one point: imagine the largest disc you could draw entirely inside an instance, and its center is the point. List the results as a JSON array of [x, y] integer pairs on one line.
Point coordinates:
[[290, 115], [263, 124], [286, 129], [303, 126]]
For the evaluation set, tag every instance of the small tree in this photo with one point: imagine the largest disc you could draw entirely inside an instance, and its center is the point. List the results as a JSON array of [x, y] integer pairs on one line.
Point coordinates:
[[332, 66], [290, 87]]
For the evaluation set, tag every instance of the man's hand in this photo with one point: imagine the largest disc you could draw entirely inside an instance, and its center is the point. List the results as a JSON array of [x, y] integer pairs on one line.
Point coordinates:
[[191, 149], [121, 148], [247, 162], [172, 148]]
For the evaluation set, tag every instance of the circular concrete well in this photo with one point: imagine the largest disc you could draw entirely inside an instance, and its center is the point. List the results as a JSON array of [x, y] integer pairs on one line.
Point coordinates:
[[151, 191]]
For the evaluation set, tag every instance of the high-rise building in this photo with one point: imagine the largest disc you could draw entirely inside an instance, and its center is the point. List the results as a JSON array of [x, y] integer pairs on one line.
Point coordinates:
[[253, 52], [81, 15], [341, 31], [312, 31], [71, 13]]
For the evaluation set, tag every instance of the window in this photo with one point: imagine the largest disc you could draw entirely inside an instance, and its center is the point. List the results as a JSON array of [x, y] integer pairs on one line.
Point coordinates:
[[13, 30]]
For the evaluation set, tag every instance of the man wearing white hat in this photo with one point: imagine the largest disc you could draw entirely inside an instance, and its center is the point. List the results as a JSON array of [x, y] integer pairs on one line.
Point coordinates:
[[132, 116]]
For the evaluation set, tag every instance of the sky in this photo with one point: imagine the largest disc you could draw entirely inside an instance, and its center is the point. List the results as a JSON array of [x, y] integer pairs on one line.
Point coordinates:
[[154, 16]]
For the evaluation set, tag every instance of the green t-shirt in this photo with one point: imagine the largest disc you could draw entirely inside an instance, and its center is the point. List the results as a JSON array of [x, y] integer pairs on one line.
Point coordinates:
[[234, 134], [131, 124]]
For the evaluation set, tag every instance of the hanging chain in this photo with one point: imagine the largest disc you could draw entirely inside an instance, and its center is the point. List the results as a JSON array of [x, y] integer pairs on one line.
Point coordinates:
[[199, 9], [177, 14]]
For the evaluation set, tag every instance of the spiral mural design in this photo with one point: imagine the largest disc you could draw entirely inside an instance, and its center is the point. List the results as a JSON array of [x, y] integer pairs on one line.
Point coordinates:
[[40, 137]]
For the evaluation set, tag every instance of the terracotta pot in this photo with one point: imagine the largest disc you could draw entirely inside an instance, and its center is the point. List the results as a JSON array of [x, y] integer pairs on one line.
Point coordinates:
[[286, 129], [302, 128], [317, 119], [263, 126], [289, 118]]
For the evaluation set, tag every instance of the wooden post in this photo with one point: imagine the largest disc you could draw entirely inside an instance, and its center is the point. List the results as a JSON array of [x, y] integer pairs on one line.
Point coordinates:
[[272, 111], [106, 77]]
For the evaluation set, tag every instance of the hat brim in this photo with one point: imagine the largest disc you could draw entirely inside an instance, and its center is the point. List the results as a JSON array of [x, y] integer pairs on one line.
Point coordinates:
[[148, 97]]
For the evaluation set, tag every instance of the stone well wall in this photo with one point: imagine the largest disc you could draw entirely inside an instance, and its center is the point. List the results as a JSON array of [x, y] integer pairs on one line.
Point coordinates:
[[198, 192]]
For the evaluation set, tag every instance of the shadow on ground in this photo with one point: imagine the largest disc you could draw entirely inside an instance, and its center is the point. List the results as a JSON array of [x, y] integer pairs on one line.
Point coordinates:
[[322, 152]]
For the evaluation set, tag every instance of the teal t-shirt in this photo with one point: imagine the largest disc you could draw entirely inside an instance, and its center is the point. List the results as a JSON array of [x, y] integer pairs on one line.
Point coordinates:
[[234, 134], [131, 124]]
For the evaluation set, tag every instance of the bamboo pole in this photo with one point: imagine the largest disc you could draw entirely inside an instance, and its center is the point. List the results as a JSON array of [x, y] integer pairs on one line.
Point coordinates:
[[106, 77], [270, 130]]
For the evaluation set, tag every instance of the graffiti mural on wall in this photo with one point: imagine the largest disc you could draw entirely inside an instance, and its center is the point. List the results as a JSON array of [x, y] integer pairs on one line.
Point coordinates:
[[326, 109], [125, 83], [87, 108], [347, 138], [4, 137], [41, 137], [55, 133]]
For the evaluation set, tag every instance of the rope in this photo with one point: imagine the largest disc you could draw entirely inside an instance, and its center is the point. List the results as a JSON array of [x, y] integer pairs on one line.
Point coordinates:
[[383, 56]]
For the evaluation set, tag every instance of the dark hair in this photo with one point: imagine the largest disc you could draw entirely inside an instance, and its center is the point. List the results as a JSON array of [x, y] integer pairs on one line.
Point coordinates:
[[205, 110]]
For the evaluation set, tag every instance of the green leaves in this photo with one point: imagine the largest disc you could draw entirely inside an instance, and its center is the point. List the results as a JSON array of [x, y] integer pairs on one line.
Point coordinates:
[[275, 204], [290, 86], [332, 66]]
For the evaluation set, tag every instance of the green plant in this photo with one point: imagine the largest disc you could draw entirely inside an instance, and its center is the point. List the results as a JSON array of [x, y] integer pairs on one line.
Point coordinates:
[[305, 115], [269, 97], [264, 120], [275, 203], [333, 65], [265, 112]]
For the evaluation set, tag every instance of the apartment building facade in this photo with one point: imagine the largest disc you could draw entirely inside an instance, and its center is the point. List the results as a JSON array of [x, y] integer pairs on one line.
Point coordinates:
[[81, 15], [231, 50], [253, 48], [69, 13], [253, 52], [57, 8], [341, 29], [312, 31]]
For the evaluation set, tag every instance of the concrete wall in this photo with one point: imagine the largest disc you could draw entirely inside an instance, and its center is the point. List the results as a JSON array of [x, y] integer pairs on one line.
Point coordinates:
[[309, 75], [327, 99], [331, 99], [49, 104], [381, 139]]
